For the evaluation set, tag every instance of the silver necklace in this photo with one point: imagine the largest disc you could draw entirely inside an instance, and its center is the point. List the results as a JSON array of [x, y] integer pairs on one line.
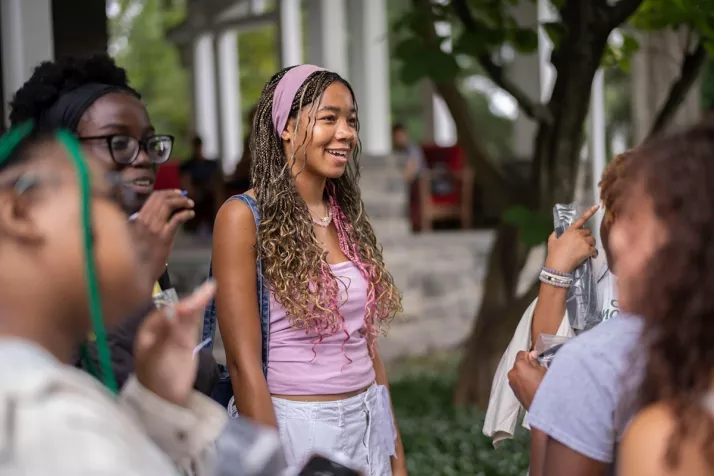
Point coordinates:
[[323, 221]]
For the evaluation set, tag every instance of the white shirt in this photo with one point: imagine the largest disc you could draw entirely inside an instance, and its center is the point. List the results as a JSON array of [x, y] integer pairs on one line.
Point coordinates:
[[56, 420]]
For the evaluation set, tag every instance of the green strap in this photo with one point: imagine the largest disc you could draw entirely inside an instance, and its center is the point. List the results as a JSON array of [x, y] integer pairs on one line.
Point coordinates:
[[95, 305]]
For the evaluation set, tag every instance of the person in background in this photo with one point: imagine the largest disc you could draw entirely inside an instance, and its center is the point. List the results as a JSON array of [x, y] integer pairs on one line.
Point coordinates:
[[301, 339], [665, 261], [92, 98], [413, 156], [241, 179], [203, 179], [56, 419]]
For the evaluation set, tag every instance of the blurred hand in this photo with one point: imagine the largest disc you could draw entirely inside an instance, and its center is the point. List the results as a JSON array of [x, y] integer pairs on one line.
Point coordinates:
[[164, 347], [525, 377], [573, 247], [156, 225]]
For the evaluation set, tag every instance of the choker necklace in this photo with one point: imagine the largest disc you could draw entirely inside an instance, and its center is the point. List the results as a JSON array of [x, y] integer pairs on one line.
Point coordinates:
[[324, 221]]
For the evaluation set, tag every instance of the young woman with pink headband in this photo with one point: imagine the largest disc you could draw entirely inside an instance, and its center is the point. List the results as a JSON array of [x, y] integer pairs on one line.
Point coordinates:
[[304, 289]]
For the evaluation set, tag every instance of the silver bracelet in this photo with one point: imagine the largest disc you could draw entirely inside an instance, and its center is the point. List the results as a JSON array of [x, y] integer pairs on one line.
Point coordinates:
[[555, 280]]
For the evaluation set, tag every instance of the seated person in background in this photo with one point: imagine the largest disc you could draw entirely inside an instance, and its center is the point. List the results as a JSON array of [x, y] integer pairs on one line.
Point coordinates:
[[203, 179], [240, 181], [56, 419], [401, 145]]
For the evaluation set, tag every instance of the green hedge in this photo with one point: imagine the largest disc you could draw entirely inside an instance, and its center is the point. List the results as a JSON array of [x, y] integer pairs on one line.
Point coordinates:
[[440, 439]]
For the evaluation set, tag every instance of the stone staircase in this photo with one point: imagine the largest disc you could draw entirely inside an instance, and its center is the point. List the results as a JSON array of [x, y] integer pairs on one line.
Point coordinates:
[[439, 273]]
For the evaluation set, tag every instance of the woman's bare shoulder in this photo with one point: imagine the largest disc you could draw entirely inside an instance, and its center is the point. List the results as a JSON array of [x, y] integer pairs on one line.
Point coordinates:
[[645, 445]]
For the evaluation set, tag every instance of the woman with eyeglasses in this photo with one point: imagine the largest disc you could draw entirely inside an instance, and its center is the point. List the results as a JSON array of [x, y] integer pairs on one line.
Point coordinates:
[[92, 98]]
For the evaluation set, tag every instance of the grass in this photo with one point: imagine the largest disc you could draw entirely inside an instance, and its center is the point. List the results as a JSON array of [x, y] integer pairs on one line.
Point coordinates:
[[439, 439]]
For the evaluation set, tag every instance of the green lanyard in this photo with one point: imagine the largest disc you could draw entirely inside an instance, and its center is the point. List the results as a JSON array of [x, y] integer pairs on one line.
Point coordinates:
[[8, 142]]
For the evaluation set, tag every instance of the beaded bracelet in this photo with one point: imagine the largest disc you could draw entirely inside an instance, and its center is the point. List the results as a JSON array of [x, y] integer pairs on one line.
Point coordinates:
[[557, 273], [555, 280]]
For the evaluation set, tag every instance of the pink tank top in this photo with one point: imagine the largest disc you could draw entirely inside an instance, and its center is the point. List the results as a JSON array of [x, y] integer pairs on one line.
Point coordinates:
[[293, 367]]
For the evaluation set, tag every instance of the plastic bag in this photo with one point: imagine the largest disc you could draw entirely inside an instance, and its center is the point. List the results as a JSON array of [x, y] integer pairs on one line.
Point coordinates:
[[168, 297], [247, 449], [581, 300], [547, 345]]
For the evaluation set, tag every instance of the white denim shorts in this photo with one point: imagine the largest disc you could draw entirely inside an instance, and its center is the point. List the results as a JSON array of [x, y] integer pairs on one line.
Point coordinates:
[[358, 431]]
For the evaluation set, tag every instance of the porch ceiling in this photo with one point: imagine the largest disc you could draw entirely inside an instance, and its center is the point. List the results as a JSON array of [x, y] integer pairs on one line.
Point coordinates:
[[215, 16]]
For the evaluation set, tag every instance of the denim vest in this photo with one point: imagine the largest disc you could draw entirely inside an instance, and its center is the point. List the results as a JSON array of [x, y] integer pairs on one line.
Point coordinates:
[[209, 317]]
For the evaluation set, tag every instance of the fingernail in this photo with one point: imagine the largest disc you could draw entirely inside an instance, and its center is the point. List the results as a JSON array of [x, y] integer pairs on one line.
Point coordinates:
[[133, 216], [184, 192]]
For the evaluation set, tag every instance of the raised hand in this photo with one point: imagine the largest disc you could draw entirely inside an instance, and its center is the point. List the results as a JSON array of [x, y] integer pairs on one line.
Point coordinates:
[[165, 343], [574, 246], [156, 225]]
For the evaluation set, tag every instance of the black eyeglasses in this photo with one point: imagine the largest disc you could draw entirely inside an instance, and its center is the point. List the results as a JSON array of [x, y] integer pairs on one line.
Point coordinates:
[[125, 149]]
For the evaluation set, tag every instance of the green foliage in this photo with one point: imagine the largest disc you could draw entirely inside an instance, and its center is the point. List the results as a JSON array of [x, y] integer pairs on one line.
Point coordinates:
[[153, 65], [619, 56], [441, 440], [695, 15], [534, 228]]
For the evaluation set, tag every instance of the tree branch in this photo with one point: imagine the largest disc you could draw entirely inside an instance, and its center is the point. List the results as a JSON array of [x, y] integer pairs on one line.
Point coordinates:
[[532, 108], [622, 10], [691, 66], [490, 175]]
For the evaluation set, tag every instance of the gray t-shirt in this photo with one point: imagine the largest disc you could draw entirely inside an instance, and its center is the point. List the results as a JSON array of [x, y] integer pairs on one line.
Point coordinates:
[[585, 399]]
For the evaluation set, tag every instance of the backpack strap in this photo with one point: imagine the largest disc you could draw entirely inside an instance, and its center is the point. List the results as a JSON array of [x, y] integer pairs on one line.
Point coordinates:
[[209, 316]]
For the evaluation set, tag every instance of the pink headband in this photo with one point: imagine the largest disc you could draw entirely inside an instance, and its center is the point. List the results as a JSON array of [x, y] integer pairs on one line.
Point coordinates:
[[285, 93]]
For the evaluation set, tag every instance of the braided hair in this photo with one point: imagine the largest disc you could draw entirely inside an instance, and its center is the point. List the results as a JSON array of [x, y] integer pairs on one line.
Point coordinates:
[[294, 261]]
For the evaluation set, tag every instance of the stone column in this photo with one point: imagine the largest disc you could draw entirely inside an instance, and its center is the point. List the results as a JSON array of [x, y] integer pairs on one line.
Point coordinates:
[[229, 86], [27, 40], [654, 68], [327, 35], [205, 89], [290, 28], [369, 73]]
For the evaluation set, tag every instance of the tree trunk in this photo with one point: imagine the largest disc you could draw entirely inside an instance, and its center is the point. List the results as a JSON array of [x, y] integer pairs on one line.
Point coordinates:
[[499, 314]]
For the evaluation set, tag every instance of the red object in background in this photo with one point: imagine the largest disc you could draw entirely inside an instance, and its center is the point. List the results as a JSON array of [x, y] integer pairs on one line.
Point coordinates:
[[452, 158], [443, 190], [168, 176]]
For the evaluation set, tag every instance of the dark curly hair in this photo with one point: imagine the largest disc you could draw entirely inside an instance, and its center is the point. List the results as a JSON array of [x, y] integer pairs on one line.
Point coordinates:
[[612, 186], [51, 79], [675, 294]]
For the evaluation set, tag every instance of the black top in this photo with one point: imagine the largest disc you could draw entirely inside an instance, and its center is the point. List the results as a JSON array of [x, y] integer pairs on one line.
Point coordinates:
[[121, 340]]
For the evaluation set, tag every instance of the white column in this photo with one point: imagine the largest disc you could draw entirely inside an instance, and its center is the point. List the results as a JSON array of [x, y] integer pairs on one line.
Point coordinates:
[[444, 126], [290, 33], [231, 126], [204, 83], [546, 13], [327, 35], [369, 73], [27, 39]]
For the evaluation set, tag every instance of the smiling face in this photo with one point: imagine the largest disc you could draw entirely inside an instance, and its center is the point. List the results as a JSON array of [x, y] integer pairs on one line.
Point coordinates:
[[119, 113], [326, 134]]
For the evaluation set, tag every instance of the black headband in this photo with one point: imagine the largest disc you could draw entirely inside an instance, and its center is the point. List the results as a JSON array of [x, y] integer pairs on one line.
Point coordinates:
[[66, 112]]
